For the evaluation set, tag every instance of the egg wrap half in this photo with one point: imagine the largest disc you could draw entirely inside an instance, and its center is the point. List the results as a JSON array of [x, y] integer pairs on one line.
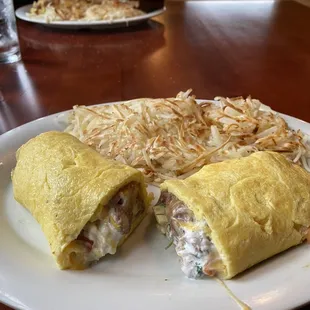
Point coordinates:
[[65, 184], [254, 207]]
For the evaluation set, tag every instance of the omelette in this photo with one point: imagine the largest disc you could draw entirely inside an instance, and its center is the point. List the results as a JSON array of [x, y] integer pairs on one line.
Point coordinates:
[[86, 205], [232, 215]]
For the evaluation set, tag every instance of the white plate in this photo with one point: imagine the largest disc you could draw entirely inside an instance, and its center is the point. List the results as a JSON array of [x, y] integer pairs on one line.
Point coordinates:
[[142, 275], [22, 14]]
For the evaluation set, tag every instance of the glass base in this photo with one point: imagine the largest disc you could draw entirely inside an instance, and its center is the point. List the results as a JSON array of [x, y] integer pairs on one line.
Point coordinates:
[[7, 58]]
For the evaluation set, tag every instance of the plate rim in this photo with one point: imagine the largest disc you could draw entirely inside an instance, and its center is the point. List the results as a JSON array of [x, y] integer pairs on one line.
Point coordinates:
[[21, 14]]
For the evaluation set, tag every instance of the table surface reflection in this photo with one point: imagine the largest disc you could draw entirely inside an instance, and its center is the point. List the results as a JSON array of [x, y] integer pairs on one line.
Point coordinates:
[[230, 48]]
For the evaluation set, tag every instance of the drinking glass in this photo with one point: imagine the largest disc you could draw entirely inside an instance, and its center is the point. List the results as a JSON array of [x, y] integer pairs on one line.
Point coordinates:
[[9, 46]]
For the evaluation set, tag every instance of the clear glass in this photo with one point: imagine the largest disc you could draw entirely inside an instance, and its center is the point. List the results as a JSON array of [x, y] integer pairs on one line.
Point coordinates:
[[9, 46]]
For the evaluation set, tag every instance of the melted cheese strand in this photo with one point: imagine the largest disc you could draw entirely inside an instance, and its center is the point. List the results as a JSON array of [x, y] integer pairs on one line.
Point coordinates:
[[240, 303]]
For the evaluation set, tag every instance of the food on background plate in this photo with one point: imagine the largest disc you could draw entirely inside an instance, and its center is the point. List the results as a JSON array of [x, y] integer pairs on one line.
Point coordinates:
[[86, 10], [232, 215], [174, 137], [86, 205]]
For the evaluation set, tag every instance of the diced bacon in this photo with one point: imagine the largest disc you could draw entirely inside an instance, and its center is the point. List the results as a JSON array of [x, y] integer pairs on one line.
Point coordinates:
[[88, 243]]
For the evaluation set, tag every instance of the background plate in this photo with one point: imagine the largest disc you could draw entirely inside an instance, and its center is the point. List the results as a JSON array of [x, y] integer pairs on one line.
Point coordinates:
[[22, 14], [142, 275]]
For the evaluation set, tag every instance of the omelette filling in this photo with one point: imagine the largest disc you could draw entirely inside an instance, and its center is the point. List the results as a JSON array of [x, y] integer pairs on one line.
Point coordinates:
[[102, 235], [196, 251]]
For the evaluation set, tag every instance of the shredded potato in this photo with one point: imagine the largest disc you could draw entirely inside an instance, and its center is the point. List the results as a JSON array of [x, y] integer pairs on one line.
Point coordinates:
[[87, 10], [175, 137]]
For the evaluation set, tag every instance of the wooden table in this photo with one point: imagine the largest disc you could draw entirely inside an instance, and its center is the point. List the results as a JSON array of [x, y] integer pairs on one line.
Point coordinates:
[[216, 48]]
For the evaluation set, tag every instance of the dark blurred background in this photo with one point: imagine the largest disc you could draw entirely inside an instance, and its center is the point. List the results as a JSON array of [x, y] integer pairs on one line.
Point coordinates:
[[145, 5], [18, 3]]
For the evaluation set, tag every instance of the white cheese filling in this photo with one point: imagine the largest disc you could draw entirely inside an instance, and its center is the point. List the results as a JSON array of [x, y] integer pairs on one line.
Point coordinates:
[[195, 249], [105, 238], [104, 235]]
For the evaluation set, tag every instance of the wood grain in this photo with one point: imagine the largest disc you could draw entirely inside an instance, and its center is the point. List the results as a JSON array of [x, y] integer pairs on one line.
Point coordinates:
[[216, 48]]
